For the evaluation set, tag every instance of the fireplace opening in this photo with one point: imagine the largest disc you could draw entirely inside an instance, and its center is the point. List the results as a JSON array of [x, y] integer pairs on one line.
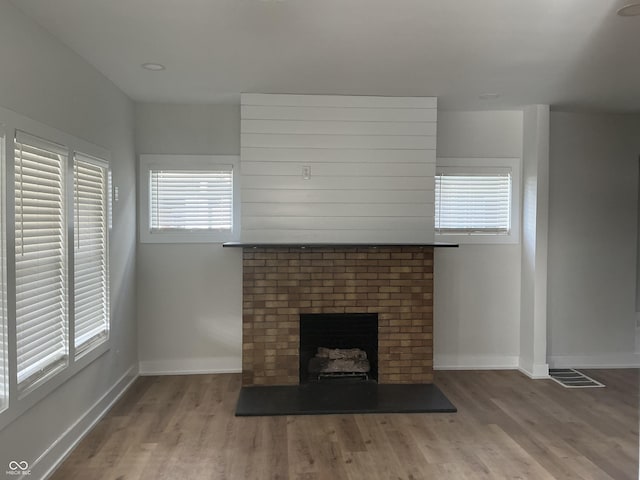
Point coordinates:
[[338, 347]]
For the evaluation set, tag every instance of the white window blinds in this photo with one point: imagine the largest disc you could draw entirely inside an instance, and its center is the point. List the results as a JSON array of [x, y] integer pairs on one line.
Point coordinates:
[[40, 249], [4, 347], [473, 203], [191, 200], [91, 266]]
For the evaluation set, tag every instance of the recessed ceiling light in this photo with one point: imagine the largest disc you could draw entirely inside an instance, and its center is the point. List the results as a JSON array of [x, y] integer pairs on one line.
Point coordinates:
[[489, 96], [631, 10], [156, 67]]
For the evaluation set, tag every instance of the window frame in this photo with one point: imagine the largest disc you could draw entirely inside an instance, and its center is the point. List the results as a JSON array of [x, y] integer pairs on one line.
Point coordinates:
[[149, 162], [484, 165], [21, 401]]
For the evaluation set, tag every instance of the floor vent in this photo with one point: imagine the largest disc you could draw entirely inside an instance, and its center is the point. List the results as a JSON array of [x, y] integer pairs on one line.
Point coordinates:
[[570, 378]]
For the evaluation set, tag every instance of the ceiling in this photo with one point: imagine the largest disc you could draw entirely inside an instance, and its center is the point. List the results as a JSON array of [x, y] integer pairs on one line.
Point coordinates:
[[571, 54]]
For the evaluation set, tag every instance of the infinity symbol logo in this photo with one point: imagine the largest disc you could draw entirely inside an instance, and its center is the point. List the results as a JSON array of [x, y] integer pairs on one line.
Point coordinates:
[[13, 465]]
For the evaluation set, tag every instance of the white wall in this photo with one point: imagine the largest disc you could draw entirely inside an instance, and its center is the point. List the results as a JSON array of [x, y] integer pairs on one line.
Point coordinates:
[[45, 81], [477, 287], [192, 321], [593, 239], [370, 165], [189, 295]]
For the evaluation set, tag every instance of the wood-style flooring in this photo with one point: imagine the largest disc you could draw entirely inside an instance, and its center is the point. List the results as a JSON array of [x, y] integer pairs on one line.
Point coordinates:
[[507, 427]]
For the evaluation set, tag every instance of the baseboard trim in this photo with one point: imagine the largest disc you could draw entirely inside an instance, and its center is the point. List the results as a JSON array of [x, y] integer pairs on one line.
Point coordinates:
[[607, 360], [475, 362], [538, 371], [59, 450], [191, 366]]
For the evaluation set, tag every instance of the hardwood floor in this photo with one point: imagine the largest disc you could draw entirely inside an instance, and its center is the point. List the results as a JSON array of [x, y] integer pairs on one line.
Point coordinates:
[[507, 426]]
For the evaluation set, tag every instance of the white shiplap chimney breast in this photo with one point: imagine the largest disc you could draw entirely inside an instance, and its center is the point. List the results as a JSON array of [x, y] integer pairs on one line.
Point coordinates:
[[331, 169]]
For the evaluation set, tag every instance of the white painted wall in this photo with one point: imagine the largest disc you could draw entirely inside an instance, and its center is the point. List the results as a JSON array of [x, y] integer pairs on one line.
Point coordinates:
[[370, 164], [192, 321], [477, 287], [45, 81], [593, 239], [535, 227], [189, 295]]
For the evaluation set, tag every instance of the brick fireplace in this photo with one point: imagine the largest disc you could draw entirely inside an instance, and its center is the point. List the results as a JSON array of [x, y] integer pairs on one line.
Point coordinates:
[[282, 283]]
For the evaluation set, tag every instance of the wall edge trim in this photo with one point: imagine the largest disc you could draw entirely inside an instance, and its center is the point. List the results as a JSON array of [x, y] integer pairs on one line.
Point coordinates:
[[475, 362], [603, 360], [191, 366]]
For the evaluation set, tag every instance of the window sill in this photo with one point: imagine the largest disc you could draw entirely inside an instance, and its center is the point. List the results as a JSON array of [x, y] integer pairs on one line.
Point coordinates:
[[479, 239], [184, 237]]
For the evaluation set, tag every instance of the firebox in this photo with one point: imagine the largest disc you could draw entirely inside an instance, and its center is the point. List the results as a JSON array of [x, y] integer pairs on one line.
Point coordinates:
[[341, 346]]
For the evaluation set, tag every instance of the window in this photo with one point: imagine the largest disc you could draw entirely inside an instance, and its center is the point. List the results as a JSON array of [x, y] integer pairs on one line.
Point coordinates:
[[191, 200], [187, 198], [91, 233], [4, 344], [55, 219], [477, 203], [476, 200], [40, 251]]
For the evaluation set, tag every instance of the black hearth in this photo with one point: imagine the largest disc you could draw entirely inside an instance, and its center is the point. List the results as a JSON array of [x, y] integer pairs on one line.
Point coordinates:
[[348, 331]]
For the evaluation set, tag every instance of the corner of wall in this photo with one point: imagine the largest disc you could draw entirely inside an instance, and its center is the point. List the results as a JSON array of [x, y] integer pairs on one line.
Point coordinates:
[[535, 226], [532, 370]]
